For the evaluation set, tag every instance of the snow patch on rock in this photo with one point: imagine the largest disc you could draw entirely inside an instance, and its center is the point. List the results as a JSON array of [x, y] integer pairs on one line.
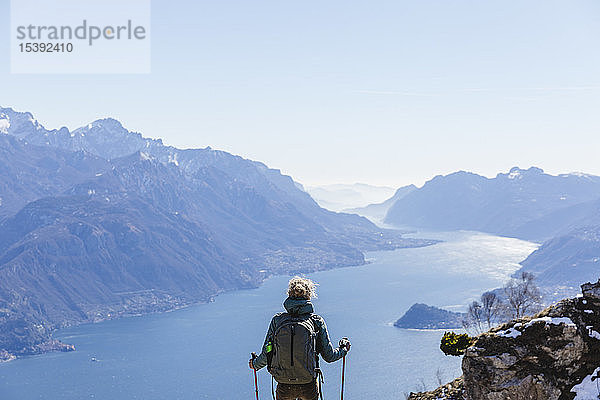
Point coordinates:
[[518, 328], [586, 390], [553, 321], [512, 332]]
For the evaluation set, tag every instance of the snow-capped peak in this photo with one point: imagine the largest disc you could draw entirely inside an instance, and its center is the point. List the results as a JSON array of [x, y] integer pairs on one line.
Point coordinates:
[[577, 174], [515, 174], [34, 122], [101, 125], [173, 159], [4, 123], [17, 123], [518, 173], [110, 123]]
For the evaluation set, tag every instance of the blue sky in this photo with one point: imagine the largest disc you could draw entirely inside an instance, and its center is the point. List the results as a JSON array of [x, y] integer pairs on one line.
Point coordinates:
[[383, 92]]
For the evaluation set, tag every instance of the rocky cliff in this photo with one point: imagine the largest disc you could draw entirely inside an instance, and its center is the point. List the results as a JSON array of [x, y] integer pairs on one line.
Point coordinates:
[[554, 355]]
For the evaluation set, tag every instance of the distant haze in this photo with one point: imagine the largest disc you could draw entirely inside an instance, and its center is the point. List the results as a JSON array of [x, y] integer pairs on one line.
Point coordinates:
[[339, 197]]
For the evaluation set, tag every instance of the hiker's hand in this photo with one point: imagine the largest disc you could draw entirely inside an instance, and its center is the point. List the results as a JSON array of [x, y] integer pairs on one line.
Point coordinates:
[[251, 361], [345, 344]]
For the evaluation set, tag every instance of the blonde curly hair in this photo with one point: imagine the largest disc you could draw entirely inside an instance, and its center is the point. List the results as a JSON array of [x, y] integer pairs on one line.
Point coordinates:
[[302, 288]]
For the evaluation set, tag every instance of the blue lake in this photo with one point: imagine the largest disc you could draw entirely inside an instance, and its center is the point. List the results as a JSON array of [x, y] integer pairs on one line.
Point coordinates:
[[201, 352]]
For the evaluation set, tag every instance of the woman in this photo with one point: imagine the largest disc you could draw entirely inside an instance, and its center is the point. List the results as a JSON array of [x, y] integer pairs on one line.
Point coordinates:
[[294, 341]]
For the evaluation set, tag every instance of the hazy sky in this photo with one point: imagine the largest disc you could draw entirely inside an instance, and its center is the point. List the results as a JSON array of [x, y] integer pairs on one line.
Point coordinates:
[[383, 92]]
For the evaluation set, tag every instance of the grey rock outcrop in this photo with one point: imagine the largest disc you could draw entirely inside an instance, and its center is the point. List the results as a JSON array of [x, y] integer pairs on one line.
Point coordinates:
[[538, 358], [591, 290], [451, 391]]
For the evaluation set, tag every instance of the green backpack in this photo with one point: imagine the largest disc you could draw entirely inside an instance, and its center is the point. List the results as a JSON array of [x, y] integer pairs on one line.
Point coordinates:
[[293, 358]]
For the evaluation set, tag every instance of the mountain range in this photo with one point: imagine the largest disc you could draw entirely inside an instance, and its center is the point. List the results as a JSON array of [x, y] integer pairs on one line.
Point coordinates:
[[515, 204], [100, 222], [562, 212]]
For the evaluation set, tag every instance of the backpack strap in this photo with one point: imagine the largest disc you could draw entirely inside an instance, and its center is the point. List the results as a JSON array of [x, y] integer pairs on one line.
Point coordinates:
[[270, 353], [316, 319]]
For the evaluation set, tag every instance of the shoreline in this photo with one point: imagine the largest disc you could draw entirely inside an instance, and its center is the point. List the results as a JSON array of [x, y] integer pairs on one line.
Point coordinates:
[[54, 345]]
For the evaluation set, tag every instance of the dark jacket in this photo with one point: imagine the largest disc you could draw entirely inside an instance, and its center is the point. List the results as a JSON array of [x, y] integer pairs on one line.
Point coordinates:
[[298, 307]]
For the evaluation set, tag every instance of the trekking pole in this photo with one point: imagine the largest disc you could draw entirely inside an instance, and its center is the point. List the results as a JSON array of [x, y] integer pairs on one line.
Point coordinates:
[[255, 377], [344, 366], [343, 372]]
